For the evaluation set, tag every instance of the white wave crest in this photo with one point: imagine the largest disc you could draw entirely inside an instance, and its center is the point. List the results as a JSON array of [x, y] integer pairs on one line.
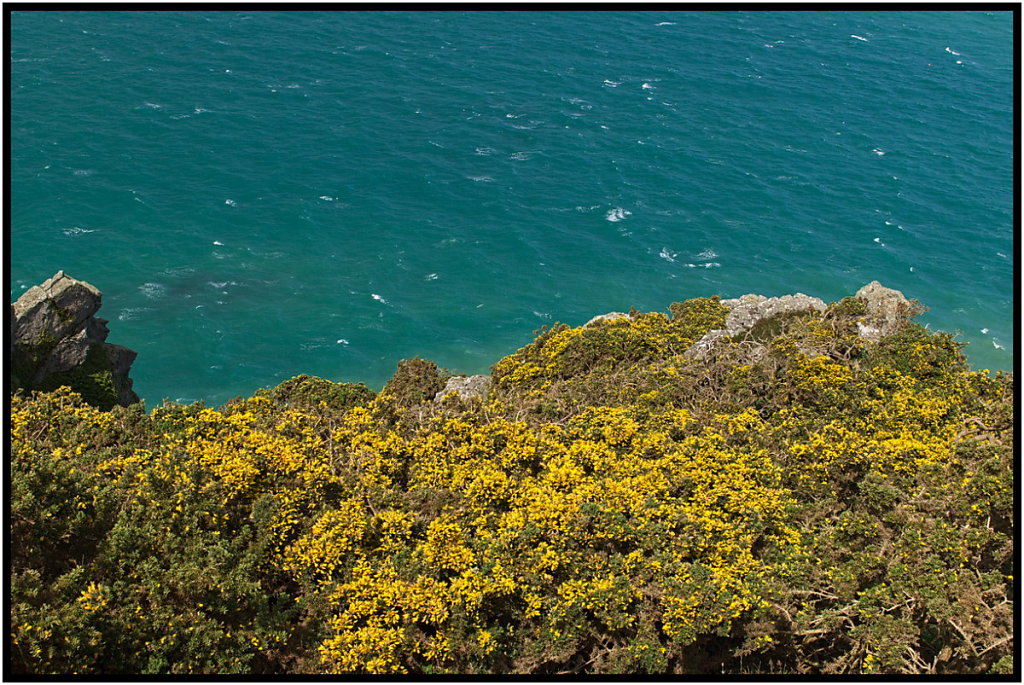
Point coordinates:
[[130, 313], [78, 230], [153, 290], [617, 214]]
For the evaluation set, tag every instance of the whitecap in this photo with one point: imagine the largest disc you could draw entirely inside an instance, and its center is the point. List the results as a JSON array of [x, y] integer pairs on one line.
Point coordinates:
[[485, 150], [78, 230], [430, 277], [879, 151], [647, 86], [617, 214], [231, 203], [521, 156], [612, 84], [481, 179], [666, 255], [378, 298], [82, 172], [217, 242], [214, 284], [996, 345], [708, 254], [327, 198], [859, 37], [153, 290], [130, 313], [952, 52], [665, 23], [984, 330], [541, 315], [341, 341]]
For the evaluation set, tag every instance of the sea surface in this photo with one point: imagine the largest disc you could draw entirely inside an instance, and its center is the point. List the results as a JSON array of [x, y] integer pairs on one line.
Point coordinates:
[[261, 194]]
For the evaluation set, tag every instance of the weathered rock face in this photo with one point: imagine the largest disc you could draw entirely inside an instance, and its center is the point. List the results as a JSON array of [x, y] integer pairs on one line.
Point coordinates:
[[56, 341], [466, 386], [749, 310], [886, 308]]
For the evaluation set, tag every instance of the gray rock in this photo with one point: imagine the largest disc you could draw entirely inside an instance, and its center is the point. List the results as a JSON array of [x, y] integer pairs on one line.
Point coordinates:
[[886, 310], [55, 309], [466, 386], [610, 316], [57, 340], [746, 311], [121, 359]]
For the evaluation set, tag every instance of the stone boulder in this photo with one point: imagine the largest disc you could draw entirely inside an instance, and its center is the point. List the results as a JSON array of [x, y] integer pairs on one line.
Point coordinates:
[[886, 311], [56, 340], [466, 387], [53, 310]]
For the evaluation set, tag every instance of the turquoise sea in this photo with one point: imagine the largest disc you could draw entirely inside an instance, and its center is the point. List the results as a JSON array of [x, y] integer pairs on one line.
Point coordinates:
[[261, 194]]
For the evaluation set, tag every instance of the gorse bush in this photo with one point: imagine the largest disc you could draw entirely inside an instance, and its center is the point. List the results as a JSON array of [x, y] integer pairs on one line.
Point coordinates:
[[798, 501]]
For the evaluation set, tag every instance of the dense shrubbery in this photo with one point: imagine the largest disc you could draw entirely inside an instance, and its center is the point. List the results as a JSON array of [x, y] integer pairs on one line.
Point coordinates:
[[797, 502]]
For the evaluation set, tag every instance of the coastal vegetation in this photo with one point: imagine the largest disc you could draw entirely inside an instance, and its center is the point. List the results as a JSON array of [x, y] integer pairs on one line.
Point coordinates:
[[797, 500]]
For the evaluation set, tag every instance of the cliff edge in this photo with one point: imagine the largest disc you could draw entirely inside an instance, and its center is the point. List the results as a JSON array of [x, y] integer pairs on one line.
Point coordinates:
[[56, 340]]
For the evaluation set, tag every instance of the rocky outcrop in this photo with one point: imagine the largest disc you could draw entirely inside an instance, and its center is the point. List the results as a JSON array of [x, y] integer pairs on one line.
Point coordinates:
[[886, 308], [56, 340], [749, 310], [610, 316], [465, 386]]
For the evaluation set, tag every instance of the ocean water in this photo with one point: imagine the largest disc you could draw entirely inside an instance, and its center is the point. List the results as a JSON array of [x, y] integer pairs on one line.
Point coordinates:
[[261, 194]]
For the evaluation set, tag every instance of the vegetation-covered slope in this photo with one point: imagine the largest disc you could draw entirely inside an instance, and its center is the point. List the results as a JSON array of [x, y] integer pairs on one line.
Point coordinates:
[[799, 501]]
